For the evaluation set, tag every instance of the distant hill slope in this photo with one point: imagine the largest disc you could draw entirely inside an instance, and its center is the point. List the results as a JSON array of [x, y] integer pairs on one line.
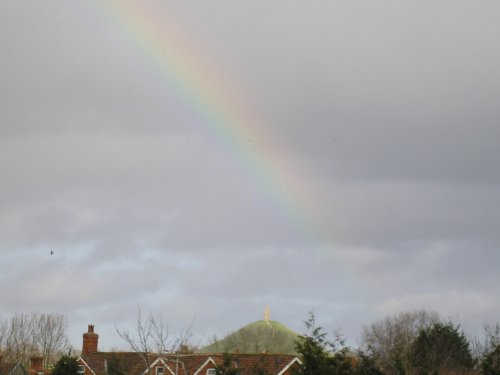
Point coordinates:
[[257, 337]]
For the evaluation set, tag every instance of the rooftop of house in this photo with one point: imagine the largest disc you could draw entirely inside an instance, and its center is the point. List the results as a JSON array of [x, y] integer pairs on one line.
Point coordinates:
[[181, 363], [11, 368], [185, 364]]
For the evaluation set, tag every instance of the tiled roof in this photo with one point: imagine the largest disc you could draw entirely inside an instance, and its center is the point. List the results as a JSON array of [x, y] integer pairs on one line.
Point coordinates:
[[129, 361], [6, 368], [11, 368], [187, 364]]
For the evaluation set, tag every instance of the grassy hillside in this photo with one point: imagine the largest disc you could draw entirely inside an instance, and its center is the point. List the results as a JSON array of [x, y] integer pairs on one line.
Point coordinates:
[[257, 337]]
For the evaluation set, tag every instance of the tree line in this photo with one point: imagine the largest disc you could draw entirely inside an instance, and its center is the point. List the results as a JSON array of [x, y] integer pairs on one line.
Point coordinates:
[[408, 343], [26, 334]]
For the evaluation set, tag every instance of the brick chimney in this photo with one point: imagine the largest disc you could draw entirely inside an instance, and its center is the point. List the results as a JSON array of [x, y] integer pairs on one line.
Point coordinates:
[[184, 349], [90, 340], [36, 362]]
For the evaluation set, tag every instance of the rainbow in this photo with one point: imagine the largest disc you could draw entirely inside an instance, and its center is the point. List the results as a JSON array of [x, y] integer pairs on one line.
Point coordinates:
[[214, 102]]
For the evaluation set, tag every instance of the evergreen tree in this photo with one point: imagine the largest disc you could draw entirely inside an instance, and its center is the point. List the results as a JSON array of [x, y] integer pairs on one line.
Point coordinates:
[[366, 365], [319, 355], [441, 346], [490, 365], [65, 366]]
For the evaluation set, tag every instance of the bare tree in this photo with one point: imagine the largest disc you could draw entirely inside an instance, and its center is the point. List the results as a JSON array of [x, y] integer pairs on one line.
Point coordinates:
[[488, 342], [20, 342], [26, 334], [180, 345], [150, 333], [151, 337], [51, 336], [389, 340], [477, 347], [492, 339], [159, 333], [3, 332]]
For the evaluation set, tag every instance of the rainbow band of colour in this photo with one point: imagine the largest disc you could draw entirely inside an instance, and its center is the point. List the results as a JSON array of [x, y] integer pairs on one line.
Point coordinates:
[[214, 104]]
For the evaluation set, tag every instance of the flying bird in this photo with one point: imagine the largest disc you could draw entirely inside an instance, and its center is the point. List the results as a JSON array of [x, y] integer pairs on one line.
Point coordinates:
[[51, 252]]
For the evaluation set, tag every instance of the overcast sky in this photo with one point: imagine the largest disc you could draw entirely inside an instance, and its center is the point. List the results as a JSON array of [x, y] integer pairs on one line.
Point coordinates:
[[206, 159]]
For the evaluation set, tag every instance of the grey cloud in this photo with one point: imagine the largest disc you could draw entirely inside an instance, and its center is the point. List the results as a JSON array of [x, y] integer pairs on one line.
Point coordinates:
[[387, 114]]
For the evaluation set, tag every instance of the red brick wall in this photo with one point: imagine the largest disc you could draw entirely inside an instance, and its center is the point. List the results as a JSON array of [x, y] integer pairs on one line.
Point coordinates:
[[90, 341]]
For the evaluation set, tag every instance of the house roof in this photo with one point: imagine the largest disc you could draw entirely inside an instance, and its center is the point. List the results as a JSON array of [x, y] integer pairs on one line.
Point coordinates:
[[132, 363], [187, 364], [10, 368], [6, 368]]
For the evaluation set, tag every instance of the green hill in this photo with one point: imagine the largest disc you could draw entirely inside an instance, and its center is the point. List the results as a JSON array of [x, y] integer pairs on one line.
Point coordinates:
[[257, 337]]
